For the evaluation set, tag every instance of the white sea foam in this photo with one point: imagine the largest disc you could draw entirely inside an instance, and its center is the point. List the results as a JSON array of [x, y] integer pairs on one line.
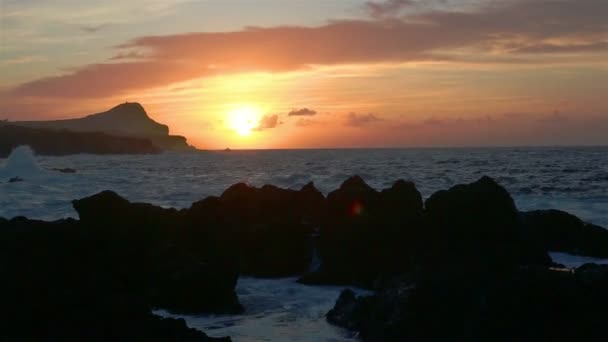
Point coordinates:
[[276, 310], [21, 163]]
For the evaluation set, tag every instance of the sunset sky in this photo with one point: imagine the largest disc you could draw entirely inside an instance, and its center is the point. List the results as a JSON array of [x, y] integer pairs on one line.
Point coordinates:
[[317, 73]]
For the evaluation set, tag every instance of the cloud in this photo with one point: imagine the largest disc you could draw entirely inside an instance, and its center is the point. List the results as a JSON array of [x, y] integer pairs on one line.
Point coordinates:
[[515, 115], [491, 33], [550, 48], [500, 130], [267, 122], [302, 112], [555, 117], [93, 28], [388, 7], [129, 55], [433, 121], [24, 60], [358, 120], [305, 122]]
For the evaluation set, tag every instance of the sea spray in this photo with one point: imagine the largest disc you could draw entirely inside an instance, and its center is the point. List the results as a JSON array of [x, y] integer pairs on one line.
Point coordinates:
[[21, 163]]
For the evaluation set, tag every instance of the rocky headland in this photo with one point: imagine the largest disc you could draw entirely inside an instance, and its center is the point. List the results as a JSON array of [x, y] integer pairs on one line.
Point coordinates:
[[124, 129]]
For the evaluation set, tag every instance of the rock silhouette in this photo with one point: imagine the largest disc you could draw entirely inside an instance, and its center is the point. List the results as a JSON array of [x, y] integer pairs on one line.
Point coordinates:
[[366, 233], [563, 232], [124, 129], [530, 304], [61, 142], [61, 282], [477, 225], [464, 265]]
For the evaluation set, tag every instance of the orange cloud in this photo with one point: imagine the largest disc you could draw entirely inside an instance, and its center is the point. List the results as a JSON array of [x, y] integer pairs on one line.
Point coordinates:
[[267, 121], [522, 26], [302, 112], [358, 120]]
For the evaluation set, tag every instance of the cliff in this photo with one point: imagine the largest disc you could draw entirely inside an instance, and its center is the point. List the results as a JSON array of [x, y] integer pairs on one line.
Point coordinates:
[[124, 120], [46, 141]]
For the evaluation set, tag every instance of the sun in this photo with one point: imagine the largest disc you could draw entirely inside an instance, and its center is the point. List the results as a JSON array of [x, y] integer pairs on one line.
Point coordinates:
[[243, 119]]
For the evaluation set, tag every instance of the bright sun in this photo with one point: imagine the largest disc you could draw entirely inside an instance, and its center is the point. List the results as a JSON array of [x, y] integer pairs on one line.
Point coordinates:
[[243, 119]]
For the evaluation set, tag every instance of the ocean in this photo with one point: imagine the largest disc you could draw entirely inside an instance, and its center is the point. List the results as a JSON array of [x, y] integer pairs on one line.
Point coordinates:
[[574, 179]]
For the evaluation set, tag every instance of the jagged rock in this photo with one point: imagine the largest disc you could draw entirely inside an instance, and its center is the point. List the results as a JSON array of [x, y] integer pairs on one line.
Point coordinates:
[[593, 274], [271, 227], [477, 226], [58, 284], [64, 170], [150, 239], [367, 233], [563, 232], [467, 267], [525, 305]]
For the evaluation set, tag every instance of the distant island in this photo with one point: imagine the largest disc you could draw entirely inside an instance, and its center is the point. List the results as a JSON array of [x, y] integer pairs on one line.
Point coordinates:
[[124, 129]]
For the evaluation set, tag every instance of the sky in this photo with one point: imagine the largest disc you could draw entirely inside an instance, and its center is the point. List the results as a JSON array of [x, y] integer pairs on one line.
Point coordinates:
[[317, 73]]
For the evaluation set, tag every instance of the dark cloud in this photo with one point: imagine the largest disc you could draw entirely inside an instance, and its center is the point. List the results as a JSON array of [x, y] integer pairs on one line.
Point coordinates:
[[94, 28], [302, 112], [563, 48], [495, 32], [358, 120], [386, 8], [267, 122]]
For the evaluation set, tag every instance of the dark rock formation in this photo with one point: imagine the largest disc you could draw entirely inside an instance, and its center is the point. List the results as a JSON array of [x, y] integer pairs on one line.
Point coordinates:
[[367, 233], [60, 283], [147, 238], [477, 225], [350, 312], [482, 275], [128, 119], [533, 304], [270, 227], [56, 142], [563, 232], [126, 128], [467, 266]]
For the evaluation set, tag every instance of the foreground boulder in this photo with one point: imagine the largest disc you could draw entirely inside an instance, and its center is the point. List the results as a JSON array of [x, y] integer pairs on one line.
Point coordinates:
[[270, 228], [367, 233], [563, 232], [144, 245], [481, 274], [534, 304], [58, 284], [477, 226]]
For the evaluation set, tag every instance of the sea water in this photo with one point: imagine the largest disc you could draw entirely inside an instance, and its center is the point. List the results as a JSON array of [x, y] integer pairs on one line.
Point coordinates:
[[571, 179]]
